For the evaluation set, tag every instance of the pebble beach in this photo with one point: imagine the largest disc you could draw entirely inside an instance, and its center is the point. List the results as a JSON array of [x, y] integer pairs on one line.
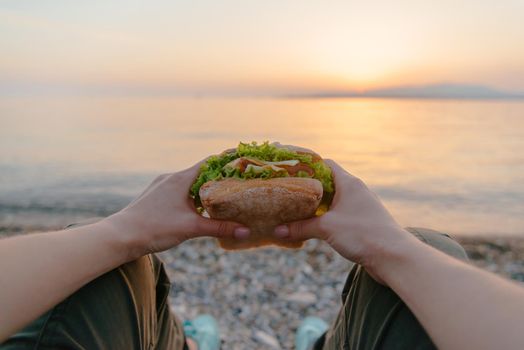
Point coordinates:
[[260, 296]]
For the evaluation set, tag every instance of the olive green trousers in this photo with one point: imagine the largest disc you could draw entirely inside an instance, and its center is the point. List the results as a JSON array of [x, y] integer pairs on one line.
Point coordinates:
[[127, 308], [372, 316]]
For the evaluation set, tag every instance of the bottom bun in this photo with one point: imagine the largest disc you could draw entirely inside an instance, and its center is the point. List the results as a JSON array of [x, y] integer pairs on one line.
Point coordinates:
[[261, 205]]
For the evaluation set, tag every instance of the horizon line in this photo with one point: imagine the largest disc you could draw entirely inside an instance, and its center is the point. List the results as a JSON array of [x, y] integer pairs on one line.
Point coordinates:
[[427, 91]]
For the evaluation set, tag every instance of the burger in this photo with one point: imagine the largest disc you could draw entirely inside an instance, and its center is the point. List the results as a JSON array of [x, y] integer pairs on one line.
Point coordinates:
[[262, 186]]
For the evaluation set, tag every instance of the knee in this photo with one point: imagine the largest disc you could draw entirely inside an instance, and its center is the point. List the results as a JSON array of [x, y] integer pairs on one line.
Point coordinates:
[[440, 241]]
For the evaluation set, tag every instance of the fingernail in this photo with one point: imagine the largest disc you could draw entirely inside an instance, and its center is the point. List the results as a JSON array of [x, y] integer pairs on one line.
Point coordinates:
[[241, 232], [281, 231]]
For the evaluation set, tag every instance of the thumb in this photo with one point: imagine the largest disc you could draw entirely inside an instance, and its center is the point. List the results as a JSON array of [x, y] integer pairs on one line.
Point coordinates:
[[300, 230], [220, 229]]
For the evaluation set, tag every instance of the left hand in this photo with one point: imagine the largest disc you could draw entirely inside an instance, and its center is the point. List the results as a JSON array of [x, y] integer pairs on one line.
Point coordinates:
[[164, 216]]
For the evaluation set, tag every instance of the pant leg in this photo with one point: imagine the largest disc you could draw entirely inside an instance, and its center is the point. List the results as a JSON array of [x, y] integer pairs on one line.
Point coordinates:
[[374, 317], [126, 308], [170, 332]]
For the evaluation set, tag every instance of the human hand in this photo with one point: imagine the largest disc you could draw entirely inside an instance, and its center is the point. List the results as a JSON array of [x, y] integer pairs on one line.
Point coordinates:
[[357, 225], [164, 216]]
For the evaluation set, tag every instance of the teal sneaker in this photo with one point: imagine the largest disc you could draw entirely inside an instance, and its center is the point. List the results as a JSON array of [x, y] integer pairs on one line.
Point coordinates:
[[204, 331], [310, 329]]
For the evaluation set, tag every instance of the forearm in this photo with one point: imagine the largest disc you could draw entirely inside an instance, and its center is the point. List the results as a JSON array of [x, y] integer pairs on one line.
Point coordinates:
[[40, 270], [459, 305]]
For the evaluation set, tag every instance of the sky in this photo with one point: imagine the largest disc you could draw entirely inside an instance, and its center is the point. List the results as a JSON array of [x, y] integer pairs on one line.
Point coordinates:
[[257, 47]]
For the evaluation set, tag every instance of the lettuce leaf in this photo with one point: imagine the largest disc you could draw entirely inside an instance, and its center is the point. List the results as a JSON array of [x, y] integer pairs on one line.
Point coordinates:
[[214, 169]]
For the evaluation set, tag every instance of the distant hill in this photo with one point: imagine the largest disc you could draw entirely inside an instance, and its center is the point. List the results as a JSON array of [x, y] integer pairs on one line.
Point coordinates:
[[450, 91]]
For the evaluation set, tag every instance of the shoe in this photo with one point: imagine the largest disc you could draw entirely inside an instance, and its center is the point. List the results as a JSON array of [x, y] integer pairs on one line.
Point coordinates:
[[310, 329], [204, 331]]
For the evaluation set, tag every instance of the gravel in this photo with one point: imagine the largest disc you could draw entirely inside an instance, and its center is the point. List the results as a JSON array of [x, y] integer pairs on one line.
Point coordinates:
[[259, 296], [501, 255]]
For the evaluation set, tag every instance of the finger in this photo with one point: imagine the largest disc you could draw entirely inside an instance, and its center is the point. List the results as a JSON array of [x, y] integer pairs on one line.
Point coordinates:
[[296, 149], [220, 229], [194, 170], [337, 172], [337, 169], [344, 181], [150, 187], [341, 173], [300, 230], [292, 147], [155, 182], [229, 150], [186, 177]]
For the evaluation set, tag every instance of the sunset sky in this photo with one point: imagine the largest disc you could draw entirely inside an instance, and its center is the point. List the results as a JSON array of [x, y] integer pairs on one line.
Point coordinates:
[[257, 47]]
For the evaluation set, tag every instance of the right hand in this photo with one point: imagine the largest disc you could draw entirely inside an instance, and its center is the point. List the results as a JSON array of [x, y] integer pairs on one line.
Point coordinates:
[[164, 216], [357, 225]]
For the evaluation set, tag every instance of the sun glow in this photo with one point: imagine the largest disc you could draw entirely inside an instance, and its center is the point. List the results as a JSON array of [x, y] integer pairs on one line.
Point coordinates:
[[263, 47]]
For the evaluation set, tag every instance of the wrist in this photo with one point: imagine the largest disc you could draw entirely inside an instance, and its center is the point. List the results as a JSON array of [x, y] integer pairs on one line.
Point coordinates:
[[123, 237], [387, 257]]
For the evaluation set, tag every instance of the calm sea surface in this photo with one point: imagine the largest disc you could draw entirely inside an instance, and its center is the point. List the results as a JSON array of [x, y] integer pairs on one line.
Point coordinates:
[[452, 165]]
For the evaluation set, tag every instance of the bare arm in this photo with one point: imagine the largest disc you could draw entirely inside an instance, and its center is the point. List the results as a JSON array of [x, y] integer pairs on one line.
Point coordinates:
[[460, 306], [40, 270]]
